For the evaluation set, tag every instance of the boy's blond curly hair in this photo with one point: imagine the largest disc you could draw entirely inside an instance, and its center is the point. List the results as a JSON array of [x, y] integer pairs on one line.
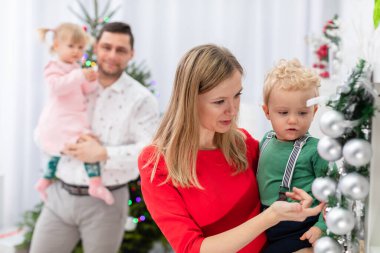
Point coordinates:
[[290, 75]]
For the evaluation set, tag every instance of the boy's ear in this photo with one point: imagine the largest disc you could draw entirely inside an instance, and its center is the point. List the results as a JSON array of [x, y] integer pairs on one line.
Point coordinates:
[[266, 111], [315, 108]]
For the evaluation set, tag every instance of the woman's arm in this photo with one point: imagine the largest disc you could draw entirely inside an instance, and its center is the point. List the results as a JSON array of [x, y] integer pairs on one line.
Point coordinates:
[[168, 209], [238, 237]]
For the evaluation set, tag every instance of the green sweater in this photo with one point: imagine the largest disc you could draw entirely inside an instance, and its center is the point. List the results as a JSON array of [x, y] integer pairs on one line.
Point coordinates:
[[272, 164]]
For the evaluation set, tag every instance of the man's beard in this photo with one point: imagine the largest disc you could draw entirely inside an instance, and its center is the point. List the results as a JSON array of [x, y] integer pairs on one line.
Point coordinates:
[[108, 74]]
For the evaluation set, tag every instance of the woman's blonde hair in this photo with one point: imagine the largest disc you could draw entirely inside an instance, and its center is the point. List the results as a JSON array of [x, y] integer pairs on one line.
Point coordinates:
[[290, 75], [177, 139], [66, 32]]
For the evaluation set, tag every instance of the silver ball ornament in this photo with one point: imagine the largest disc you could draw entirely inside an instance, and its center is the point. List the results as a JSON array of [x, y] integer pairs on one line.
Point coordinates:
[[354, 186], [329, 149], [340, 221], [322, 188], [327, 245], [357, 152], [331, 123]]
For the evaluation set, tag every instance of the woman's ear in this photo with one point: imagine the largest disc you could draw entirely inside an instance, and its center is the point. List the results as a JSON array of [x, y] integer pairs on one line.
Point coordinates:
[[266, 111]]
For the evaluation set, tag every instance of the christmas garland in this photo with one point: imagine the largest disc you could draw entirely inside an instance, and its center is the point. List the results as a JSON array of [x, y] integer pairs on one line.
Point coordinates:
[[345, 188]]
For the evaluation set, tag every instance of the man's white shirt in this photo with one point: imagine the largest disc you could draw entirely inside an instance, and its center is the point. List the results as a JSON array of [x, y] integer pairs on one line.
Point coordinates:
[[124, 117]]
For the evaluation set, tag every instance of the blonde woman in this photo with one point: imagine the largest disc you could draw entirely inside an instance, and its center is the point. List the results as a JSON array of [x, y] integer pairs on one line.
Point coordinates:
[[198, 176]]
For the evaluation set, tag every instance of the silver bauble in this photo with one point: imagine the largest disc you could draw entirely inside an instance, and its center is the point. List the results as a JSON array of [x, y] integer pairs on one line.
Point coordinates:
[[340, 221], [331, 123], [327, 245], [354, 186], [357, 152], [329, 149], [322, 188]]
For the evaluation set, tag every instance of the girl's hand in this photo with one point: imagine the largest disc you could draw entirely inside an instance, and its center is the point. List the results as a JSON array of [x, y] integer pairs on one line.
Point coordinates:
[[90, 74]]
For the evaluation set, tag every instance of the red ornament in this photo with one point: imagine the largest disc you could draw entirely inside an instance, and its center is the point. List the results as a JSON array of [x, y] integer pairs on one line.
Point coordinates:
[[325, 74], [85, 28], [322, 52]]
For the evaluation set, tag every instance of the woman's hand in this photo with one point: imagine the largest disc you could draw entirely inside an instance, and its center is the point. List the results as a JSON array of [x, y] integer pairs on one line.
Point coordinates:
[[282, 210], [300, 195]]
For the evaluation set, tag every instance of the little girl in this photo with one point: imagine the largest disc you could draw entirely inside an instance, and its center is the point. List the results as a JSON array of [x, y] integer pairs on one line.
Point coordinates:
[[64, 118]]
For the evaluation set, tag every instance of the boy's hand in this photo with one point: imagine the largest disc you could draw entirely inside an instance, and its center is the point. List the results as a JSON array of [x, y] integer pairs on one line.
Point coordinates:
[[312, 234], [90, 74]]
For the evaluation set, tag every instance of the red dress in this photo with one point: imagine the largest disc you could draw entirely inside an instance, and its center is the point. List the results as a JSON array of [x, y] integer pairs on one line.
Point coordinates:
[[187, 215]]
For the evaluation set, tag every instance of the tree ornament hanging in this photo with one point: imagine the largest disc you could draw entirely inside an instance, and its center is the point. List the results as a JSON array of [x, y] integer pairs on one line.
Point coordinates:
[[354, 186], [331, 123], [340, 221], [329, 149], [327, 245], [323, 187], [357, 152]]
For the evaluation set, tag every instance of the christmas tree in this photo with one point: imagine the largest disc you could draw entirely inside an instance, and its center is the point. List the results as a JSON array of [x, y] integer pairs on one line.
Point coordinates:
[[141, 232]]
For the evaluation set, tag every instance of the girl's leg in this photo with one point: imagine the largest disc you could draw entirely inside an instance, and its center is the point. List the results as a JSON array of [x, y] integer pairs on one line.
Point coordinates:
[[49, 174], [96, 187]]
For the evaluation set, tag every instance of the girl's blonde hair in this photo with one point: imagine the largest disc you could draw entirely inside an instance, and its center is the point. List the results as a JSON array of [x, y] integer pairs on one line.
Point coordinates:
[[290, 75], [177, 139], [65, 32]]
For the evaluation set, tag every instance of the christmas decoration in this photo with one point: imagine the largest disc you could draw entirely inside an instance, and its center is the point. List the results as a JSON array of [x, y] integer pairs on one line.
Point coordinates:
[[348, 129], [327, 245], [327, 49], [329, 149], [354, 186], [323, 187], [340, 221], [140, 230], [331, 124], [357, 152]]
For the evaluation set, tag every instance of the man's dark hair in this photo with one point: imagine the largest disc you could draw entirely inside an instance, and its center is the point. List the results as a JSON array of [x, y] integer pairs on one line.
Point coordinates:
[[117, 27]]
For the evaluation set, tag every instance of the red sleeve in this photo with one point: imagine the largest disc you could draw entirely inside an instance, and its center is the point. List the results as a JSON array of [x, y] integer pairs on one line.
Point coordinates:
[[253, 149], [167, 207]]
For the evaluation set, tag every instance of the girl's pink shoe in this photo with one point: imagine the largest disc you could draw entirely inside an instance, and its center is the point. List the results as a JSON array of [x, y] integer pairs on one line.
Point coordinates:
[[41, 187]]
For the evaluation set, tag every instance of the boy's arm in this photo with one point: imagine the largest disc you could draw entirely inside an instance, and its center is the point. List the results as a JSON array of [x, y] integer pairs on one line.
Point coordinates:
[[321, 224]]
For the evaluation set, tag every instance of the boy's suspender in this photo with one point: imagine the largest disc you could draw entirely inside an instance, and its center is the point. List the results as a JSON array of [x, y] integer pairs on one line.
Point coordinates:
[[290, 165]]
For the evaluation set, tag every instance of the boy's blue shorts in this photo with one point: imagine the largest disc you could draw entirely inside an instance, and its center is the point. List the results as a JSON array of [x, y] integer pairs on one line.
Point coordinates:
[[285, 236]]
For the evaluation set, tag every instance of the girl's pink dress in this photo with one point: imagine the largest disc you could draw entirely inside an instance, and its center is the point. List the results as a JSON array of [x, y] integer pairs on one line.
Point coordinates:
[[64, 117]]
